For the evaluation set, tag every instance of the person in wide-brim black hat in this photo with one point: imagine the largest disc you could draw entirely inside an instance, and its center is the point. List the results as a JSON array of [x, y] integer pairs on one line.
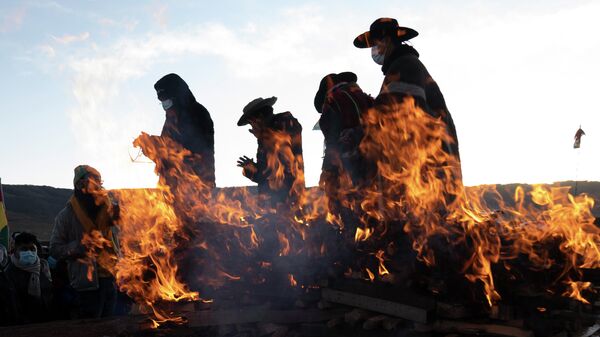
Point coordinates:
[[256, 108], [406, 76], [278, 135], [381, 28]]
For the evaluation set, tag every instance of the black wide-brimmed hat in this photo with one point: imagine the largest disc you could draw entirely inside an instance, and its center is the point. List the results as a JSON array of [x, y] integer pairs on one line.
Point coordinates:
[[329, 81], [384, 27], [251, 108]]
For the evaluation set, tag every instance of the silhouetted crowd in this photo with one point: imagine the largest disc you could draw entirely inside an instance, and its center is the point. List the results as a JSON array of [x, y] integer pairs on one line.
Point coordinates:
[[66, 282]]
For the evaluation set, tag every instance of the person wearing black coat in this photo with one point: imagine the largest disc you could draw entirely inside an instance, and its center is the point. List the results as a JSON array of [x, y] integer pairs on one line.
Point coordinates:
[[406, 75], [279, 138], [189, 124], [342, 105], [30, 278]]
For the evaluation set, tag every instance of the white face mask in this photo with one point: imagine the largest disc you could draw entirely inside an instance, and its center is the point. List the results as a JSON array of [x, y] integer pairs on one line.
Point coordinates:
[[377, 55], [167, 104]]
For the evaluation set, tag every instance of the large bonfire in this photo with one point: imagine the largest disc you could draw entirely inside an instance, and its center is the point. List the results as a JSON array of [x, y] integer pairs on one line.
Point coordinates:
[[414, 197]]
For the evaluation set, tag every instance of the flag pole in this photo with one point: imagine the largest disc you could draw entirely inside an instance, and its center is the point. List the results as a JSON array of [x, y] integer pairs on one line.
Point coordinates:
[[577, 171], [4, 229], [576, 146]]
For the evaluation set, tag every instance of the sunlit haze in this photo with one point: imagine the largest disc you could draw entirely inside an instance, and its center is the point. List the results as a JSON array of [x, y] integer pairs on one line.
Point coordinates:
[[77, 87]]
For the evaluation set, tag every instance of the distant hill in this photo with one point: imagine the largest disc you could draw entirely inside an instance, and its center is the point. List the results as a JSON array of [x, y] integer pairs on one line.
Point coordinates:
[[33, 208]]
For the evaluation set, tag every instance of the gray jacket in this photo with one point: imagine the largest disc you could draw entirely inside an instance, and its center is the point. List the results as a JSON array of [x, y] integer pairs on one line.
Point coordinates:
[[65, 243]]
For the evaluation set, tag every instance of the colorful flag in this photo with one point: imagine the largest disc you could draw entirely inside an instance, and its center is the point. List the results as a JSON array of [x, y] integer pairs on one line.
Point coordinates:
[[4, 235], [578, 135]]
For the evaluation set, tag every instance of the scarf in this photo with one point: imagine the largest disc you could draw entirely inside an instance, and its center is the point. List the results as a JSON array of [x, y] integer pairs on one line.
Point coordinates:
[[33, 288], [102, 223]]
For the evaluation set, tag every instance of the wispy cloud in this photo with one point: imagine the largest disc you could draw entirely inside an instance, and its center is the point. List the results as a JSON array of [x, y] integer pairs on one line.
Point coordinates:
[[159, 13], [52, 5], [68, 38], [126, 24], [289, 54], [270, 54], [47, 50], [12, 20]]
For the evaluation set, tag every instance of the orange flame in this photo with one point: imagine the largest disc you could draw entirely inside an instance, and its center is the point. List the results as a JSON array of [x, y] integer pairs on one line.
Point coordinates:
[[362, 235], [285, 244], [413, 183], [575, 288], [417, 182], [293, 282], [370, 274], [382, 269]]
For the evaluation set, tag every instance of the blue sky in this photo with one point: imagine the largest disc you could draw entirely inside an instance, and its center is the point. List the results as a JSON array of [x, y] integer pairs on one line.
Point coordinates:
[[77, 82]]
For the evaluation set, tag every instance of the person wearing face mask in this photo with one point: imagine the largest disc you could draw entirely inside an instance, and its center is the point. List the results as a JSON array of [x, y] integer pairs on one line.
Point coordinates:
[[90, 209], [405, 75], [189, 124], [279, 166], [30, 277]]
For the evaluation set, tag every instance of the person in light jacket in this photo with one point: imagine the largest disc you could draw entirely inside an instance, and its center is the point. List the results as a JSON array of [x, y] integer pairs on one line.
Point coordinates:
[[88, 210]]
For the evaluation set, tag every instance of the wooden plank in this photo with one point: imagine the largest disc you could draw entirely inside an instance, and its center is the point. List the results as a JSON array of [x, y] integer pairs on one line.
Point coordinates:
[[388, 292], [258, 314], [588, 332], [112, 326], [133, 324], [395, 309]]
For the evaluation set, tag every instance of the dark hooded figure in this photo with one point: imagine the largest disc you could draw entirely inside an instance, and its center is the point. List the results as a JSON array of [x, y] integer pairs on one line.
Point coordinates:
[[405, 75], [342, 105], [279, 166], [189, 124]]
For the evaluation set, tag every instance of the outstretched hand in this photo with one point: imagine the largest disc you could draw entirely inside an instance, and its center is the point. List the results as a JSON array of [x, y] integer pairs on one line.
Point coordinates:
[[244, 161], [248, 165]]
